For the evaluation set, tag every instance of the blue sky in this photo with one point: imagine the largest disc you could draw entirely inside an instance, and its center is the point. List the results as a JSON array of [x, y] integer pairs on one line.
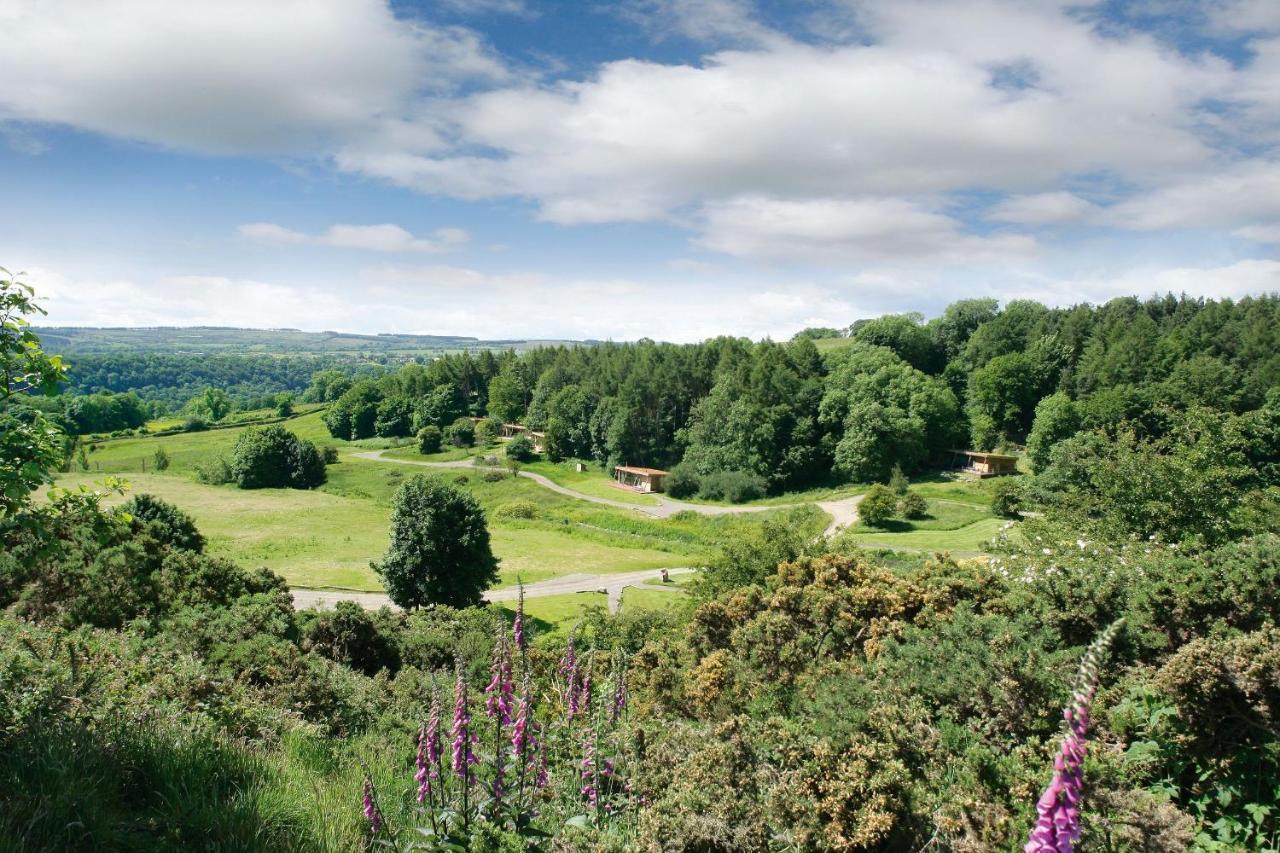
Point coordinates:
[[663, 168]]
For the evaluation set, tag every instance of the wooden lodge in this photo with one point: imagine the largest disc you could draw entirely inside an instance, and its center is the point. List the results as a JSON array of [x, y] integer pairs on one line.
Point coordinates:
[[512, 430], [639, 479], [982, 464]]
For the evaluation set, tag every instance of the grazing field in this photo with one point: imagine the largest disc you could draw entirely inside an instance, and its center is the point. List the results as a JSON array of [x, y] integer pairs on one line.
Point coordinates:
[[555, 615]]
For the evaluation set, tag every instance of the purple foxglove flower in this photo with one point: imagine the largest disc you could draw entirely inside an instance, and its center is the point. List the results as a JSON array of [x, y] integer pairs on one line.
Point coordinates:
[[619, 703], [520, 734], [569, 671], [500, 694], [1057, 826], [423, 776], [371, 808], [540, 781], [517, 627], [462, 757], [434, 750]]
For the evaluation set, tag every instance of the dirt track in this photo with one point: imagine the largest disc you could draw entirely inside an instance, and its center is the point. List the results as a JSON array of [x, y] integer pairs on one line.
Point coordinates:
[[611, 585]]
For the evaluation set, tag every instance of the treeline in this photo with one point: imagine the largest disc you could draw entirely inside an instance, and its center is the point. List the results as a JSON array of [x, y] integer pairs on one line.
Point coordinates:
[[172, 380], [893, 391]]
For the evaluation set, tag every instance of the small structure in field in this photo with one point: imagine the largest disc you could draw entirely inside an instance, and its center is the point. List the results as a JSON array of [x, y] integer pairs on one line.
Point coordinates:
[[539, 441], [512, 430], [983, 464], [640, 479]]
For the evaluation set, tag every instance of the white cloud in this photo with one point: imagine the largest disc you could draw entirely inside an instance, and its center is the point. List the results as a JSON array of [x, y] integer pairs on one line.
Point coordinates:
[[230, 76], [1053, 208], [1244, 194], [837, 230], [375, 238]]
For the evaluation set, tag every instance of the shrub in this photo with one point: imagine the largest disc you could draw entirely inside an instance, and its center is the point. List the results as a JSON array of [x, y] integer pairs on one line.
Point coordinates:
[[898, 480], [215, 471], [159, 459], [913, 505], [273, 457], [877, 506], [330, 454], [1006, 499], [461, 433], [429, 439], [732, 486], [439, 552], [194, 425], [167, 523], [348, 635], [520, 448], [682, 482], [516, 509], [492, 476], [487, 432]]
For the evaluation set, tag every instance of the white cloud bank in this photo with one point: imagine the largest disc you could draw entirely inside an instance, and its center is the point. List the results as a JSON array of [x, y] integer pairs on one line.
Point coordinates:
[[374, 238]]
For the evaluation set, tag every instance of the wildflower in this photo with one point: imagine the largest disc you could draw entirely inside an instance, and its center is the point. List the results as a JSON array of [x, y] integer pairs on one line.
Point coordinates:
[[540, 781], [423, 777], [1058, 826], [619, 703], [593, 770], [520, 734], [462, 757], [371, 808], [500, 692], [517, 627], [569, 671]]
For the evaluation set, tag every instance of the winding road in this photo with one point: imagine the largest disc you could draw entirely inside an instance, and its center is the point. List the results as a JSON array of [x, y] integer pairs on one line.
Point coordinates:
[[843, 512]]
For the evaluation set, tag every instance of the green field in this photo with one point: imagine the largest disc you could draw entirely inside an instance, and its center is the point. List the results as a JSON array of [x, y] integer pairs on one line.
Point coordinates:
[[326, 538], [637, 598], [555, 615]]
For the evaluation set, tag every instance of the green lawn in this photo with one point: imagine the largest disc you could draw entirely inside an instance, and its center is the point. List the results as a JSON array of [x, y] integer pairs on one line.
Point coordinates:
[[537, 554], [310, 538], [968, 540], [593, 481], [448, 454], [555, 615], [637, 598]]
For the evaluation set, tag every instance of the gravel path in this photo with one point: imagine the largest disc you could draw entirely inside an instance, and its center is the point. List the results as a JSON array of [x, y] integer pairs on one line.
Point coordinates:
[[611, 585]]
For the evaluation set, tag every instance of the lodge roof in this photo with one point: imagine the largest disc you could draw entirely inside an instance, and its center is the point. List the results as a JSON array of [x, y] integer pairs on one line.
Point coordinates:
[[982, 454], [646, 472]]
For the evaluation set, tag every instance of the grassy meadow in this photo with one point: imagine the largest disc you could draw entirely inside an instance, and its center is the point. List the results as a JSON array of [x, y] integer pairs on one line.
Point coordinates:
[[327, 537]]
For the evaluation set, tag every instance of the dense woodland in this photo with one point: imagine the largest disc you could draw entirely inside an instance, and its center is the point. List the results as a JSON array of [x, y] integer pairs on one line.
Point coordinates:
[[893, 391], [813, 696]]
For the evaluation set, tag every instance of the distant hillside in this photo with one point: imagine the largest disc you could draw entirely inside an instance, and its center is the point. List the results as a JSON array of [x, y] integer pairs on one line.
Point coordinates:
[[211, 340]]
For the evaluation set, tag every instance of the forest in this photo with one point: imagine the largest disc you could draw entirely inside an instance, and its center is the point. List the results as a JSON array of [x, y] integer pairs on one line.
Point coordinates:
[[848, 406], [812, 694]]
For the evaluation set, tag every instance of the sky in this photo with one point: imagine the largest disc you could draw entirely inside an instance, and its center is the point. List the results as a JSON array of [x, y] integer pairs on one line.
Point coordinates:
[[672, 169]]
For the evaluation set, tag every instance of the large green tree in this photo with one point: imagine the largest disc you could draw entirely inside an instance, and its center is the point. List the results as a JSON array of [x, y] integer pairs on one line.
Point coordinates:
[[31, 446], [439, 552]]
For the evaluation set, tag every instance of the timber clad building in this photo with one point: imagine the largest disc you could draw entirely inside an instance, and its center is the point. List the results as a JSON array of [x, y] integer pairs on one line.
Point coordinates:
[[640, 479], [984, 464]]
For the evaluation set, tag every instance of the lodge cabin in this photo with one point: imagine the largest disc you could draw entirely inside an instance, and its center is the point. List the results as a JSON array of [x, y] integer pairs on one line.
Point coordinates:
[[512, 430], [639, 479], [982, 464]]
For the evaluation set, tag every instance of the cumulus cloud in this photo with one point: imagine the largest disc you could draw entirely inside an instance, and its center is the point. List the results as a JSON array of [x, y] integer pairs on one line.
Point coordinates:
[[232, 76], [836, 230], [375, 238], [1053, 208]]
